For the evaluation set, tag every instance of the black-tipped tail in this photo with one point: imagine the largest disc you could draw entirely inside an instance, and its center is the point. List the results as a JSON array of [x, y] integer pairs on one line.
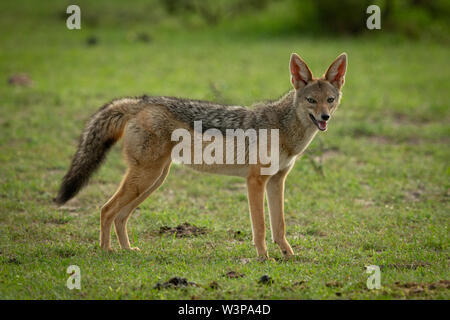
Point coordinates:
[[101, 132], [80, 171]]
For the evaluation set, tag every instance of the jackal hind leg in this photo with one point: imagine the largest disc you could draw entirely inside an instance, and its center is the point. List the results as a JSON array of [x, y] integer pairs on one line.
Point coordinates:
[[136, 186], [121, 219]]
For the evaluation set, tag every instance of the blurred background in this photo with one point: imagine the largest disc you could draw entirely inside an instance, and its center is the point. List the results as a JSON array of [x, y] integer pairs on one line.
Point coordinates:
[[415, 19]]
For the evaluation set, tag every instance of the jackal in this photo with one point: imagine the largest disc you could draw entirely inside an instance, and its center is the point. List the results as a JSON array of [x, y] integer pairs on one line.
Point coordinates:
[[146, 125]]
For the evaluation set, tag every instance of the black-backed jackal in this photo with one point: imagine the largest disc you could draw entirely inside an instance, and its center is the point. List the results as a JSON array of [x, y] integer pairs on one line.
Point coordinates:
[[146, 125]]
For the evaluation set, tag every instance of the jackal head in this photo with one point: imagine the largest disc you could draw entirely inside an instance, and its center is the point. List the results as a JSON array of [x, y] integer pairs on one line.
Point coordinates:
[[317, 99]]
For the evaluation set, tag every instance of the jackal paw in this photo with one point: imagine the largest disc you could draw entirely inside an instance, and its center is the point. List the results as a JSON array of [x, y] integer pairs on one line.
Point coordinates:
[[265, 258], [135, 249], [106, 249], [288, 254]]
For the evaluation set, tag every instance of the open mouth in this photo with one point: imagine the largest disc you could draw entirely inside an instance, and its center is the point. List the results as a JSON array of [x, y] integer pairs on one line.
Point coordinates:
[[322, 125]]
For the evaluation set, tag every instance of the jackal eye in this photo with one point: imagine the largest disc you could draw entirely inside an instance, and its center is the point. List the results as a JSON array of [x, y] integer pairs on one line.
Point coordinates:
[[311, 100], [330, 100]]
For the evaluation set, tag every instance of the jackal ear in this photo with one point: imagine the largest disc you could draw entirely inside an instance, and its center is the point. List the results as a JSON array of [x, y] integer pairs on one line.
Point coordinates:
[[336, 72], [300, 73]]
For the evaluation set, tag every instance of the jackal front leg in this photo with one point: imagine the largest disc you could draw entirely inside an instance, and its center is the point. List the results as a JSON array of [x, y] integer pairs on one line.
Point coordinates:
[[256, 185], [275, 197]]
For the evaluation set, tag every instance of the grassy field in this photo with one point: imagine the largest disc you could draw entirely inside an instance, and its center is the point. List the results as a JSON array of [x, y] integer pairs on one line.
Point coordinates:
[[372, 190]]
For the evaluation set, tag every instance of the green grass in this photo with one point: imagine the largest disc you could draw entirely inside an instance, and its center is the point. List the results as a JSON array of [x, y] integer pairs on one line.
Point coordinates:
[[383, 198]]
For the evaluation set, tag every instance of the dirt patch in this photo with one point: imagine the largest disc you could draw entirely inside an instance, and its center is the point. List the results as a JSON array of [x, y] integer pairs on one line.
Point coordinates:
[[234, 275], [214, 285], [411, 288], [183, 230], [20, 80], [415, 195], [175, 283]]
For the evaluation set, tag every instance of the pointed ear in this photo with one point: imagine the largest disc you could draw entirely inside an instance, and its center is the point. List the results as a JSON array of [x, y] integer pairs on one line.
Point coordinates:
[[300, 73], [336, 72]]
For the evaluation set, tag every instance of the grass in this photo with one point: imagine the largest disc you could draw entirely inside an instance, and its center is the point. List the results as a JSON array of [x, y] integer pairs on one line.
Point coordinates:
[[383, 198]]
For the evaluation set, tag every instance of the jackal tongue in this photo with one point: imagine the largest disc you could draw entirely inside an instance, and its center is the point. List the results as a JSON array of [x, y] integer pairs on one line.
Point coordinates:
[[322, 125]]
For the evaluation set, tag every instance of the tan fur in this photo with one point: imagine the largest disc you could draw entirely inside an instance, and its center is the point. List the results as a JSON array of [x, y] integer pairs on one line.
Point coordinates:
[[147, 149]]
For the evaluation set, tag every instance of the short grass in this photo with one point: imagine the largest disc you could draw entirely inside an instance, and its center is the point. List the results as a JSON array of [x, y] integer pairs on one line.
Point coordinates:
[[373, 190]]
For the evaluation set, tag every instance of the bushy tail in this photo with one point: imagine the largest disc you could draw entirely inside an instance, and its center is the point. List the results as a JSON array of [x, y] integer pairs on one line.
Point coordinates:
[[101, 132]]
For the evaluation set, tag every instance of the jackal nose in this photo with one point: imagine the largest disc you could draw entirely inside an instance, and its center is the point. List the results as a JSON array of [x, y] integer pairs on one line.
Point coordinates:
[[325, 117]]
